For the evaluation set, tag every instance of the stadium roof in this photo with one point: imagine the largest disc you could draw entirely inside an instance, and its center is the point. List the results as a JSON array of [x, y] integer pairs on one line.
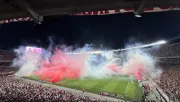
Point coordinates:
[[10, 9]]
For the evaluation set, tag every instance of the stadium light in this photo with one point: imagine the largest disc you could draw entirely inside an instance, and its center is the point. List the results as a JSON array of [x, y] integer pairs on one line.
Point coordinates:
[[138, 15], [147, 45], [162, 42], [117, 50]]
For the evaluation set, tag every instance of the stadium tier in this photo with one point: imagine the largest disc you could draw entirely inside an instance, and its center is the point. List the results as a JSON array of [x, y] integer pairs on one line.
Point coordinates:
[[125, 88]]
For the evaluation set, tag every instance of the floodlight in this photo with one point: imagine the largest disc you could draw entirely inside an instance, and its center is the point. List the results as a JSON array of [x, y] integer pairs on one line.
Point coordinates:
[[162, 42], [138, 15]]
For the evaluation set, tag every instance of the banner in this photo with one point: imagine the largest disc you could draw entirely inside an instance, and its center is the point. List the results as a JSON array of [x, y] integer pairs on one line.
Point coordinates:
[[101, 12], [34, 49], [16, 20], [115, 11]]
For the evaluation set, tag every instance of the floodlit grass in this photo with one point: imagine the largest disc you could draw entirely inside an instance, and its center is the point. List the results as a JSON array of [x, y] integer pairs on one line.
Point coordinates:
[[126, 88]]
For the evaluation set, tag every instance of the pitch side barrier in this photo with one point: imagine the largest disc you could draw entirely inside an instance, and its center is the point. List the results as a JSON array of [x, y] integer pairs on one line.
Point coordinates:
[[169, 61], [7, 73], [5, 63], [174, 57], [166, 99]]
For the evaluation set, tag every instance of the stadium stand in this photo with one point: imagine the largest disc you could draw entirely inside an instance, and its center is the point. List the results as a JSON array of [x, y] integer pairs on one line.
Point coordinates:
[[17, 90], [166, 51], [168, 58], [6, 56], [169, 81]]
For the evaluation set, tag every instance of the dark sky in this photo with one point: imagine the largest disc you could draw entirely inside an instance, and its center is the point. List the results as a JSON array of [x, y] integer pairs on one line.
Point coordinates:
[[111, 31]]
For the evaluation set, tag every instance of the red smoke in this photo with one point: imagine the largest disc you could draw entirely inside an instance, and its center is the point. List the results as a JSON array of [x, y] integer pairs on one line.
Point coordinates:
[[61, 66], [114, 68], [137, 73]]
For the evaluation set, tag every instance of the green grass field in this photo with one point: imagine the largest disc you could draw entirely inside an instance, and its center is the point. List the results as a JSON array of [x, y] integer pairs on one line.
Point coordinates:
[[126, 88]]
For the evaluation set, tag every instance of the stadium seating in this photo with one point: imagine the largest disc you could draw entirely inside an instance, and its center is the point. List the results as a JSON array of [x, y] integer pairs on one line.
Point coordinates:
[[17, 90], [168, 58], [169, 50]]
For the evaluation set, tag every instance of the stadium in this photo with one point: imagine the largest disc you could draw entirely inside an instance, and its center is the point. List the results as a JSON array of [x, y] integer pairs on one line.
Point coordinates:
[[123, 87], [136, 73]]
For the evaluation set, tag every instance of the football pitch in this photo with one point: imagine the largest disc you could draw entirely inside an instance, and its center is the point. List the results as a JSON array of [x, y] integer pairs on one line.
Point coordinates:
[[126, 88]]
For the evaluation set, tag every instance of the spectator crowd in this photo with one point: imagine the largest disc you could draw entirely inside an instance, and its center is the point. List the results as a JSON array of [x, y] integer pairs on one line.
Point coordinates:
[[168, 50], [169, 81], [6, 56], [13, 89], [168, 57], [18, 90]]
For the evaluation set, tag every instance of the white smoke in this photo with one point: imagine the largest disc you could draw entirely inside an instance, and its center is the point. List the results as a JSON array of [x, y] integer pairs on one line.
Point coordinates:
[[137, 59], [96, 65], [26, 61]]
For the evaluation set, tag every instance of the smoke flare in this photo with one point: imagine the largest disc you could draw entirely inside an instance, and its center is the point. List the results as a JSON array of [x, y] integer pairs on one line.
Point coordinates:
[[58, 65]]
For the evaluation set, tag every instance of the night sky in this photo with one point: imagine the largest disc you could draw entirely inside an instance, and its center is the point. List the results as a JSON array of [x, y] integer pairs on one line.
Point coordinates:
[[110, 31]]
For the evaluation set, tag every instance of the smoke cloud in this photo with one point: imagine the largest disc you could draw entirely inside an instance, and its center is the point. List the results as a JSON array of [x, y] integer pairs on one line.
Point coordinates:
[[57, 65]]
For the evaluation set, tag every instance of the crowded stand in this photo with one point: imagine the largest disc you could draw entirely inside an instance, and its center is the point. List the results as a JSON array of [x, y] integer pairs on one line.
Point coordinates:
[[18, 90], [169, 61], [169, 81], [168, 57], [169, 50], [4, 70], [6, 56]]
